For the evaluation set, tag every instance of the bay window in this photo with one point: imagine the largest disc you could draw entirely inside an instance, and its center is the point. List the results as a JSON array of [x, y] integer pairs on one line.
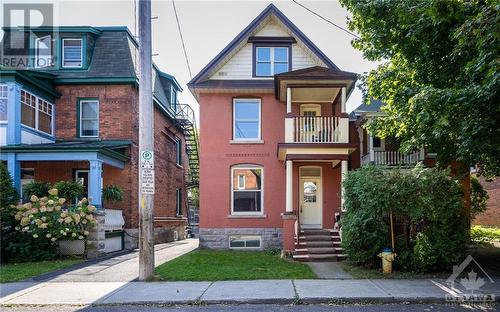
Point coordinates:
[[36, 113], [247, 197]]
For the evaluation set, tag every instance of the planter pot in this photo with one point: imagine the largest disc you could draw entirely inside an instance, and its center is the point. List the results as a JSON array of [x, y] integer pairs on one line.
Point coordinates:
[[72, 247]]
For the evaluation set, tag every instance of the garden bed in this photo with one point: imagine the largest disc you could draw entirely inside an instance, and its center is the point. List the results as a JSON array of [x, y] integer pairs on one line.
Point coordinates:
[[14, 272], [208, 265]]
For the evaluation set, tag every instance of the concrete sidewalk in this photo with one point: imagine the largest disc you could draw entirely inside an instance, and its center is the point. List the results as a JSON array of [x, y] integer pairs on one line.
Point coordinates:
[[259, 291], [121, 268]]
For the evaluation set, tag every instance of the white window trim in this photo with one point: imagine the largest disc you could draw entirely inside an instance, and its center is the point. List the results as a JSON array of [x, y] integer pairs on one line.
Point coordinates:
[[259, 136], [247, 213], [271, 58], [246, 248], [36, 116], [80, 118], [37, 40], [81, 53]]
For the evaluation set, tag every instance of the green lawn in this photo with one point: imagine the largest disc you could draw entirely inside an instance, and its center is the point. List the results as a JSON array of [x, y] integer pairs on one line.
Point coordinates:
[[19, 271], [208, 265]]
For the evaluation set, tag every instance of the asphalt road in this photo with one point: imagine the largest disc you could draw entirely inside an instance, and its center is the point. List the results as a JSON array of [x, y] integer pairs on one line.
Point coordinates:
[[257, 308]]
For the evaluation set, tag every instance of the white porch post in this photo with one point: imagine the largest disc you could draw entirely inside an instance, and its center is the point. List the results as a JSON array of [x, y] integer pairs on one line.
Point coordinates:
[[289, 186], [343, 173], [343, 100], [289, 136], [288, 100], [95, 182], [370, 147]]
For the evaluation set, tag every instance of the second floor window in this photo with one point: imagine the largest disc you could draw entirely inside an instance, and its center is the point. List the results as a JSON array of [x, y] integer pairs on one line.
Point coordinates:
[[4, 98], [270, 61], [72, 53], [36, 113], [89, 118], [246, 119]]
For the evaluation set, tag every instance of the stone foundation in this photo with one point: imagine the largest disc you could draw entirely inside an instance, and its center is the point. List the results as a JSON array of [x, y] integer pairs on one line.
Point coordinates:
[[218, 238], [161, 235]]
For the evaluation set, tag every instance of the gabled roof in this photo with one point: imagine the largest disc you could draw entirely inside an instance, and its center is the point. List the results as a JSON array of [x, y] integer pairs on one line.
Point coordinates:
[[271, 9]]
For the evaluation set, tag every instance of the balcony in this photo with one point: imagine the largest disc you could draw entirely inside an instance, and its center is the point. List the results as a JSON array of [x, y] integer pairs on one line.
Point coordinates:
[[392, 158], [328, 129]]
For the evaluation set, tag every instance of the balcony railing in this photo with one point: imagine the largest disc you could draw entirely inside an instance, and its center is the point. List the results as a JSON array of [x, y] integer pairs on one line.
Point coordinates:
[[392, 158], [317, 130]]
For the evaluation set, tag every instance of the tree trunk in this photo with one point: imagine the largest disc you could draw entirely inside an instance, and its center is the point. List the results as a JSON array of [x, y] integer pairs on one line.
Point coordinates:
[[462, 173]]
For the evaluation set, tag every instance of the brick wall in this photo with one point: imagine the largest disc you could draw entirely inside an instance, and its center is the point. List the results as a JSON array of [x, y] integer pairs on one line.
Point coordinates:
[[118, 111], [491, 217]]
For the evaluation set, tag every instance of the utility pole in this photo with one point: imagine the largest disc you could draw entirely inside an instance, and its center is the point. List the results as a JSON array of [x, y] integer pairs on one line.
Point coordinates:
[[146, 145]]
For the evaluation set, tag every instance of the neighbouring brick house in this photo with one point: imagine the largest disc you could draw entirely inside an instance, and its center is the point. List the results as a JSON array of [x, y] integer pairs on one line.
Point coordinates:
[[491, 217], [70, 112]]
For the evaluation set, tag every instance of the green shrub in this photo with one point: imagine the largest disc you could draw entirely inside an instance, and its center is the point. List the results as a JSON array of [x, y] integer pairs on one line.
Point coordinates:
[[8, 197], [37, 188], [69, 190], [479, 197], [112, 193], [427, 210], [23, 247], [485, 234]]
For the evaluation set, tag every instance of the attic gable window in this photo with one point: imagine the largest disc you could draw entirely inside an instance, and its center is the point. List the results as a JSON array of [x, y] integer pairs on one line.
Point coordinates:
[[72, 53], [270, 61]]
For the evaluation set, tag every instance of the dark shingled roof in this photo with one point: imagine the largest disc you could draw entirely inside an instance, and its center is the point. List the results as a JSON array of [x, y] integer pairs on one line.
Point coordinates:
[[373, 107]]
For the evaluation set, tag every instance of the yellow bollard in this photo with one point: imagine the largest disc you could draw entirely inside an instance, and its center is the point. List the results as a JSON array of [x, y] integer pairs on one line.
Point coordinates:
[[387, 257]]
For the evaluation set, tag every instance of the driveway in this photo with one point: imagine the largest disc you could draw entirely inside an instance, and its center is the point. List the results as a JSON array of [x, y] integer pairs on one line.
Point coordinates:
[[122, 268]]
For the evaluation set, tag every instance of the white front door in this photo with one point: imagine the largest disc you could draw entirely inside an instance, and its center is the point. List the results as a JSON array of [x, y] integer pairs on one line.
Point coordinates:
[[311, 203]]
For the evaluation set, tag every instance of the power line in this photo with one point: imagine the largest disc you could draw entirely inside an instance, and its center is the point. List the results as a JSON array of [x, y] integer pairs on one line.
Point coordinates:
[[326, 20], [182, 40]]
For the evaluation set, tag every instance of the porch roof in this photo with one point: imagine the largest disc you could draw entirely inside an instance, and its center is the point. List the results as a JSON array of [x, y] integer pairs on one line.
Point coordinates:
[[108, 151], [311, 77]]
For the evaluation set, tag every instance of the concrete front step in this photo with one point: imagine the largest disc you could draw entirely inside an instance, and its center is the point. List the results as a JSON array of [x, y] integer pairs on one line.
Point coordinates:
[[319, 238], [319, 257], [313, 244], [320, 250], [319, 232]]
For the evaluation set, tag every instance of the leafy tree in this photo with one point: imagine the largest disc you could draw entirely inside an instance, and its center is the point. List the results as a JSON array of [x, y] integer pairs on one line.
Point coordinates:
[[439, 75]]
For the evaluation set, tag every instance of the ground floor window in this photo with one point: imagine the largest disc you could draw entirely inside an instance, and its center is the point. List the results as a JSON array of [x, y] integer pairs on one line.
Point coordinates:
[[244, 242], [246, 189], [178, 207]]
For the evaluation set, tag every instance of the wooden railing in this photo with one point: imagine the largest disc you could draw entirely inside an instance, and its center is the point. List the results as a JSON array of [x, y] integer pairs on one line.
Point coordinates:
[[317, 129], [392, 158]]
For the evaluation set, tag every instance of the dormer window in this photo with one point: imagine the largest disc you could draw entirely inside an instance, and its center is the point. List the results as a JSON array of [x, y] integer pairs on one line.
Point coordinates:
[[270, 61], [72, 53], [43, 52]]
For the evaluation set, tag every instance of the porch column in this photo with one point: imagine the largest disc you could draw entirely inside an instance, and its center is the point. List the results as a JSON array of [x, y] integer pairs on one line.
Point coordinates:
[[289, 186], [14, 113], [14, 167], [288, 100], [370, 147], [95, 182], [343, 100], [343, 174]]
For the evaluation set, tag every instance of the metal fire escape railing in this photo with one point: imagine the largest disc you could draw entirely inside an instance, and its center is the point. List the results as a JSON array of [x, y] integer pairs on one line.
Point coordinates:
[[185, 118]]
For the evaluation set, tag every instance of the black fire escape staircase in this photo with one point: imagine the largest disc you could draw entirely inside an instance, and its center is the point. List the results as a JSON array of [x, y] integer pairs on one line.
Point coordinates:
[[186, 120]]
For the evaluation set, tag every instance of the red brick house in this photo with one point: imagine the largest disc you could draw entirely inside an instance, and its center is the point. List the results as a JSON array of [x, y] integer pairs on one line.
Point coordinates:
[[275, 141], [70, 112]]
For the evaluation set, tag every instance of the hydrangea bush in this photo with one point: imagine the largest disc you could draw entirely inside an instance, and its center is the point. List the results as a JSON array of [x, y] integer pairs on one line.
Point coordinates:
[[45, 218]]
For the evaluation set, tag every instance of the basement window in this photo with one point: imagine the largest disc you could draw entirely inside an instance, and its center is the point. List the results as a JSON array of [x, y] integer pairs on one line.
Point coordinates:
[[240, 242]]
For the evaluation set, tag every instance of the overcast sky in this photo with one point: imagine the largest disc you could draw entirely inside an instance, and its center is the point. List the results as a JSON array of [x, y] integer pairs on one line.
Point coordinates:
[[208, 26]]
